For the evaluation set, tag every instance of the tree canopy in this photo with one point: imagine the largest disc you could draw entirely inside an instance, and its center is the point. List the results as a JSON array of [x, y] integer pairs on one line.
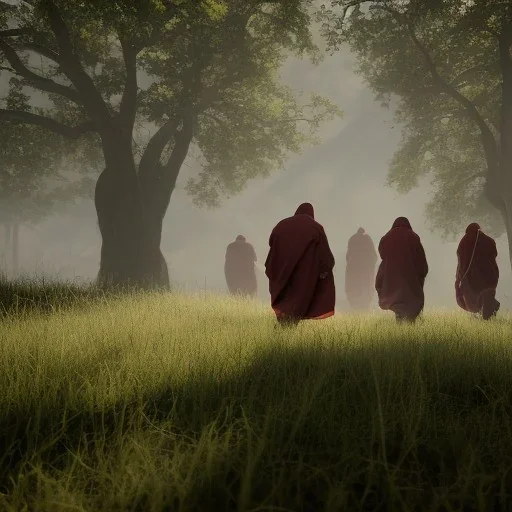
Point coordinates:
[[438, 62], [154, 60], [150, 80]]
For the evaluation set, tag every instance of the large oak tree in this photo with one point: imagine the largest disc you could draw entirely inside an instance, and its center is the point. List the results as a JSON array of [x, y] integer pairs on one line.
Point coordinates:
[[210, 70], [449, 64]]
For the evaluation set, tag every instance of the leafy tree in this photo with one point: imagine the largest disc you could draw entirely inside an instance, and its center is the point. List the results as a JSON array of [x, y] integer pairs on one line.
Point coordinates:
[[211, 73], [449, 64]]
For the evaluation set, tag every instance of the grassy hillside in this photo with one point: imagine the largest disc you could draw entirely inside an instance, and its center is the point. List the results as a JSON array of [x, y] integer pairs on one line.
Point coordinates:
[[175, 403]]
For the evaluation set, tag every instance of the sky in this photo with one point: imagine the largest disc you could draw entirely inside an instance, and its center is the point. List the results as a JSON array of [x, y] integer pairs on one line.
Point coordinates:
[[344, 178]]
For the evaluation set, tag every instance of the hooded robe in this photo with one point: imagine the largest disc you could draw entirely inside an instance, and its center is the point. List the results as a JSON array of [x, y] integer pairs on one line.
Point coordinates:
[[239, 267], [299, 267], [360, 270], [402, 271], [477, 273]]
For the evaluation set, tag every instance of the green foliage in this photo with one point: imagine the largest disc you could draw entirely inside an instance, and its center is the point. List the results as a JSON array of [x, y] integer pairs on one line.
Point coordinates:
[[137, 404], [251, 136], [439, 139], [215, 60]]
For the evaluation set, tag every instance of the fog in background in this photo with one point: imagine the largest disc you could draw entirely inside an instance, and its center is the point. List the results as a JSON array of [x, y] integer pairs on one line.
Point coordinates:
[[344, 178]]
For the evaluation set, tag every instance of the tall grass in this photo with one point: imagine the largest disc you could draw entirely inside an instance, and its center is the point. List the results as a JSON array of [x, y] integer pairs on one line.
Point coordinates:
[[169, 402]]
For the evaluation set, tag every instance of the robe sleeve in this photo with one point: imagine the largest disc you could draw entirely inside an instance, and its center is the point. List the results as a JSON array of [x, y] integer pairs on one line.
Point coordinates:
[[461, 268], [269, 255], [458, 273], [421, 260], [464, 252], [326, 257], [494, 263]]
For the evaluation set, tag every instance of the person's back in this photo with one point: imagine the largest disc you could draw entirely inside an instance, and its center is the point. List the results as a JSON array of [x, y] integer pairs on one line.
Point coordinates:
[[239, 267], [402, 272], [477, 273], [360, 270], [299, 268]]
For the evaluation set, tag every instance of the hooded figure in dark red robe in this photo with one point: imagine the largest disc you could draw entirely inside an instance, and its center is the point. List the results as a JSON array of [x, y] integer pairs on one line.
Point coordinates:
[[299, 267], [477, 273], [360, 270], [239, 267], [402, 272]]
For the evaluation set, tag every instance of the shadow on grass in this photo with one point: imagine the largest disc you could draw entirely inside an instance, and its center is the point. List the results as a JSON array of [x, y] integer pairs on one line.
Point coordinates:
[[302, 429], [20, 297]]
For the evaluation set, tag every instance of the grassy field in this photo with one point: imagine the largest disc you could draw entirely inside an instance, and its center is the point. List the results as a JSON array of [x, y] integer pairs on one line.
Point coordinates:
[[168, 402]]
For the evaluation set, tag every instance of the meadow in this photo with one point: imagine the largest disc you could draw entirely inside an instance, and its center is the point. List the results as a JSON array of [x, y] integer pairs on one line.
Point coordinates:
[[174, 402]]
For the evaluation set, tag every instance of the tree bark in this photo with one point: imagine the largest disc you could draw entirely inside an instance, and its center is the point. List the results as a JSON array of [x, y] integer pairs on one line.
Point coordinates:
[[131, 205], [130, 254]]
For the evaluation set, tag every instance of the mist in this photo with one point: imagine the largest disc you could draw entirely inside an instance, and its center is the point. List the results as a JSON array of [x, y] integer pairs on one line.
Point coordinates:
[[344, 178]]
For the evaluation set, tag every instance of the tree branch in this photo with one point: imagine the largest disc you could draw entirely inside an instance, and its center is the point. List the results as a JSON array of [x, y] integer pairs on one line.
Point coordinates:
[[70, 132], [159, 180], [353, 3], [203, 97], [349, 6], [72, 67], [488, 141], [157, 144], [467, 73], [30, 45], [42, 83], [128, 106], [13, 32], [42, 50], [182, 141]]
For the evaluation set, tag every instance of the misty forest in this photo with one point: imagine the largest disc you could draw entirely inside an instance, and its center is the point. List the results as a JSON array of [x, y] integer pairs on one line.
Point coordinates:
[[256, 255]]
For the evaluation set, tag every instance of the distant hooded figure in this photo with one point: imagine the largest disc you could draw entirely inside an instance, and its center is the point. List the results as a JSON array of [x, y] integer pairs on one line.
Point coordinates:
[[477, 273], [299, 267], [239, 267], [402, 272], [360, 270]]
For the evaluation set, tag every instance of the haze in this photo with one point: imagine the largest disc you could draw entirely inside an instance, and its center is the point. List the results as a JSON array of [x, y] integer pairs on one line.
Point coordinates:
[[344, 178]]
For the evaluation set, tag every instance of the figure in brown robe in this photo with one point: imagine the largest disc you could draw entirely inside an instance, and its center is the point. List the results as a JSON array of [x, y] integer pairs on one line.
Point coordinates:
[[477, 273], [239, 268], [402, 272], [299, 267], [360, 270]]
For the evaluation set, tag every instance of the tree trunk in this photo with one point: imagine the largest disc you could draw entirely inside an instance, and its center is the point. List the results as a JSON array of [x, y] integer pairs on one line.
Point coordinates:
[[504, 182], [15, 249], [131, 207], [130, 256]]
